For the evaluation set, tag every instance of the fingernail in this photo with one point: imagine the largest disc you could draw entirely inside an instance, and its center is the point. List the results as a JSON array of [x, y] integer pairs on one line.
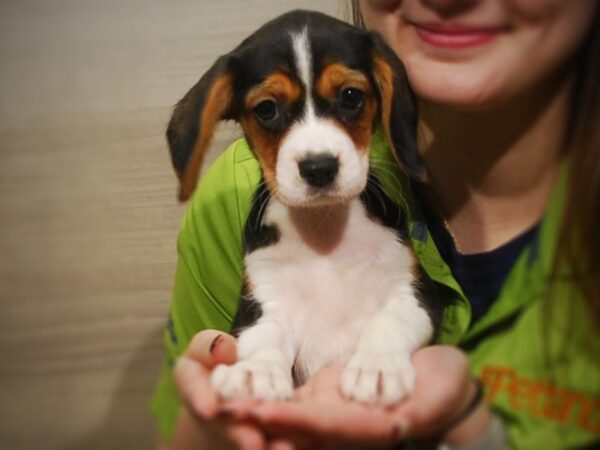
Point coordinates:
[[400, 430], [215, 342]]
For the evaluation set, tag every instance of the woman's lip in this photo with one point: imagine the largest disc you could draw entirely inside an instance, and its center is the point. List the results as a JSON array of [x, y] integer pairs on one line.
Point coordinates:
[[455, 35]]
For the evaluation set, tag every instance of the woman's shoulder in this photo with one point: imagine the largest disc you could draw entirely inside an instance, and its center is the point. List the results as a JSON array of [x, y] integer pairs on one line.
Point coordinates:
[[224, 194], [231, 178]]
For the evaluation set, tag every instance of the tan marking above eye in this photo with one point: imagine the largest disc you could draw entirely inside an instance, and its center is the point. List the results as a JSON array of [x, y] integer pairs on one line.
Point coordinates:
[[337, 76], [279, 87]]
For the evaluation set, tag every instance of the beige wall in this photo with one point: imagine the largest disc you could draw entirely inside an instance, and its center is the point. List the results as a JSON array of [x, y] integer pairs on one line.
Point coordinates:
[[88, 216]]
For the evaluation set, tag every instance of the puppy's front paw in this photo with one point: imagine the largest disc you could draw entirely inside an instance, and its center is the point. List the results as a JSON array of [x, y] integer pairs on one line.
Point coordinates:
[[384, 378], [258, 379]]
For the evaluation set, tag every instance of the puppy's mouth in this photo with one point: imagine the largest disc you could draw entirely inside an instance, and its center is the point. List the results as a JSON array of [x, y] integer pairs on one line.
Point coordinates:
[[330, 195], [311, 196]]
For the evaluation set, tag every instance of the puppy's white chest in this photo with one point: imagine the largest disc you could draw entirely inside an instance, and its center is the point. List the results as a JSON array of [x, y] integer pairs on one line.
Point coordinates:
[[325, 283]]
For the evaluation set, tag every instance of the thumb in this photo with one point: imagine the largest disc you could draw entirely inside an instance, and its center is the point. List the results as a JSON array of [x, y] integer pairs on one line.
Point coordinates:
[[192, 371], [212, 347]]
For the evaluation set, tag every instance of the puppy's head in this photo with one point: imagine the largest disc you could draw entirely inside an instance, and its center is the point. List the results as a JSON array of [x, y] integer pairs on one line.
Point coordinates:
[[308, 91]]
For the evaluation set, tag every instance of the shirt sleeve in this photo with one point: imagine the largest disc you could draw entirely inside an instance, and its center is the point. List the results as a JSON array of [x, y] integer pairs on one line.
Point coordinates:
[[209, 271]]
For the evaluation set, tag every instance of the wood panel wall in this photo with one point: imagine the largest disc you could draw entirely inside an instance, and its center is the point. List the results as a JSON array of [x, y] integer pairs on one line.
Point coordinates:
[[88, 212]]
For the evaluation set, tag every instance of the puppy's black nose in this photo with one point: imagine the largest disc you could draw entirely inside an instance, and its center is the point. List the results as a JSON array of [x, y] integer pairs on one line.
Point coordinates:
[[319, 170]]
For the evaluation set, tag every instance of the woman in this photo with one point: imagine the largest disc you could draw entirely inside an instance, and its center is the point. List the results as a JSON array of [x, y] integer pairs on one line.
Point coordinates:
[[507, 103]]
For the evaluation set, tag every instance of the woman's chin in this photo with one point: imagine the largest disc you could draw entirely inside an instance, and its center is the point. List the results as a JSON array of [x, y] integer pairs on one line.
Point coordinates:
[[458, 85]]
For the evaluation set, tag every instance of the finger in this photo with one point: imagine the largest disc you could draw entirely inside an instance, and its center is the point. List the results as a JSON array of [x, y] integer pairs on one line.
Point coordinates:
[[340, 422], [212, 347], [192, 371], [246, 437], [281, 444], [240, 408], [193, 383], [324, 384], [304, 392], [289, 438]]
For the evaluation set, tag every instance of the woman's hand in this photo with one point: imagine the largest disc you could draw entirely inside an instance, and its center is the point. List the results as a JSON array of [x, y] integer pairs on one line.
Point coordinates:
[[207, 422], [320, 417], [443, 391], [202, 424]]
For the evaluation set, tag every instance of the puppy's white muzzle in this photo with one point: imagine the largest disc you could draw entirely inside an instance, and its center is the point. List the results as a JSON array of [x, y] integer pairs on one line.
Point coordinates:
[[318, 163]]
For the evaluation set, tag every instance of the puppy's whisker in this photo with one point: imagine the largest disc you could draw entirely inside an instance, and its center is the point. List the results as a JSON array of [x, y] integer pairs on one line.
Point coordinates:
[[387, 172], [387, 169], [385, 163], [374, 186], [264, 199]]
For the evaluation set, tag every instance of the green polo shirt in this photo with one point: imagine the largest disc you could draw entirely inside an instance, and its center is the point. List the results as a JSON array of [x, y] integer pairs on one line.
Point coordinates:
[[536, 350]]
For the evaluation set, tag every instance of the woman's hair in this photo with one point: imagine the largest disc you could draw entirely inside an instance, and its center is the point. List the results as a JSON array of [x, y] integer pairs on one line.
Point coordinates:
[[578, 247], [579, 241], [355, 15]]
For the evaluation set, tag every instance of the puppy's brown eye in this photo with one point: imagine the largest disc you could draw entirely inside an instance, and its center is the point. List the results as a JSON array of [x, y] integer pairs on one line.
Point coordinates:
[[351, 99], [266, 110]]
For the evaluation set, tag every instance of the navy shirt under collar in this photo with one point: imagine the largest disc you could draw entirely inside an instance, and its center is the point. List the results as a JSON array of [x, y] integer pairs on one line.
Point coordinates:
[[480, 275]]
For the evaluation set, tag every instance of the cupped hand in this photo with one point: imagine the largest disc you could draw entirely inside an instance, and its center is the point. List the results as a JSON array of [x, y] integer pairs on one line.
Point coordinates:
[[443, 390], [205, 423]]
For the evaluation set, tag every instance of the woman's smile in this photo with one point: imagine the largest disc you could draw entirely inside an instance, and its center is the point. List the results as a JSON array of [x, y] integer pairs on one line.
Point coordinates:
[[455, 35]]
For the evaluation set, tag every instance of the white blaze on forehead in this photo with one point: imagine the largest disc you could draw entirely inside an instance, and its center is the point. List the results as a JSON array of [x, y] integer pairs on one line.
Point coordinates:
[[303, 59]]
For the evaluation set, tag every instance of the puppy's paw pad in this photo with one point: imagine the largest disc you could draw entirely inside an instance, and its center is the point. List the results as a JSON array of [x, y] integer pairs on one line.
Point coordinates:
[[256, 379], [382, 379]]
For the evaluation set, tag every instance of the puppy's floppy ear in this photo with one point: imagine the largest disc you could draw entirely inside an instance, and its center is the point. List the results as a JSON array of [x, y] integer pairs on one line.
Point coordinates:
[[398, 106], [194, 119]]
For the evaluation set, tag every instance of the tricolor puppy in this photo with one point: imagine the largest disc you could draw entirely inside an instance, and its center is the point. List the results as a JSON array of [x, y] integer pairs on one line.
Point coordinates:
[[328, 278]]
